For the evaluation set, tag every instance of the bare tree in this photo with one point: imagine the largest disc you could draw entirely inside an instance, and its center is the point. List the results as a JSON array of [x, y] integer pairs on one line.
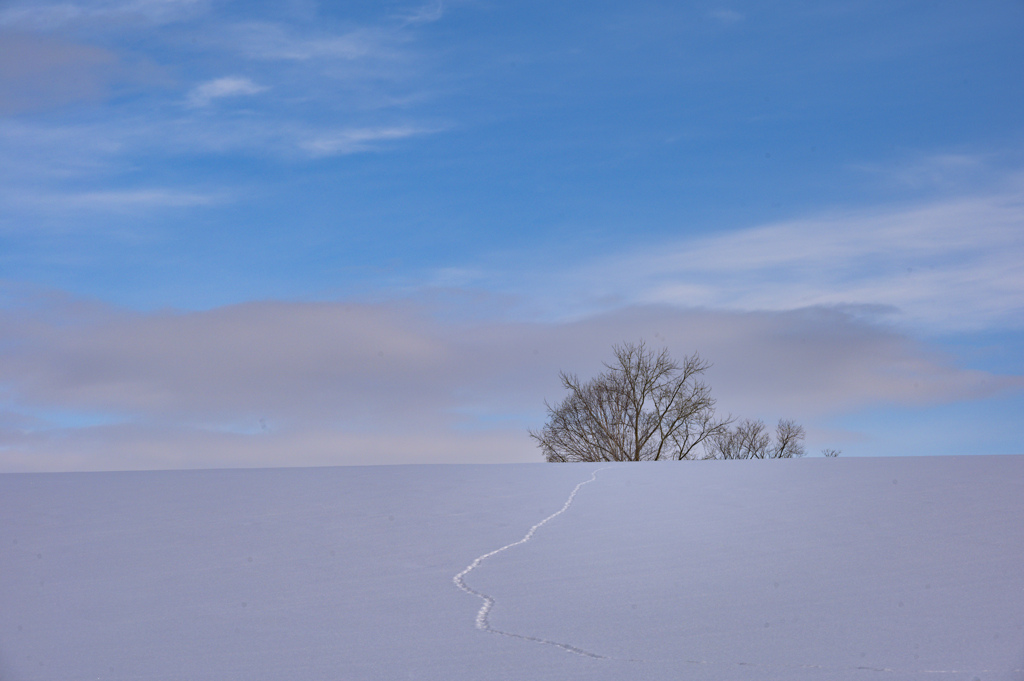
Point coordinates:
[[789, 441], [831, 453], [751, 440], [645, 407]]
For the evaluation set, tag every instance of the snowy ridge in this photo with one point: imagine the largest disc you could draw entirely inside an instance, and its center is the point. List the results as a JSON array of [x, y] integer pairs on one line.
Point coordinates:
[[482, 622]]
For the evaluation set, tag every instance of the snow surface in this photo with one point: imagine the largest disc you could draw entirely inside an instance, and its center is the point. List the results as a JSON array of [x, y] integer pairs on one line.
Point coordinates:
[[896, 568]]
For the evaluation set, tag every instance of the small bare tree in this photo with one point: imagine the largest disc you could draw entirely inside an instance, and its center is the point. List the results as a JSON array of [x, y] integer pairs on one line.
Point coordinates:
[[645, 407], [751, 440]]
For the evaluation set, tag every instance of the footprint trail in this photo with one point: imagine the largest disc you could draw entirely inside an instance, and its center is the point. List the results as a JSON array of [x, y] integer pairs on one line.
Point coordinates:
[[482, 621]]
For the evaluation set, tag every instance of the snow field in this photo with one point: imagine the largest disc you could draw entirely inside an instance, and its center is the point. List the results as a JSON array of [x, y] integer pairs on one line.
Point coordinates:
[[888, 569]]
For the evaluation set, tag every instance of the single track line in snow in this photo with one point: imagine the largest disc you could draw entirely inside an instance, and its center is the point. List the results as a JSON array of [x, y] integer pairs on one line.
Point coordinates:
[[482, 621]]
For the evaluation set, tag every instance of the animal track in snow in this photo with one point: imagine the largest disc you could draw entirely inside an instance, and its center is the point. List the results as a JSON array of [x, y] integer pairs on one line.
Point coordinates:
[[482, 622]]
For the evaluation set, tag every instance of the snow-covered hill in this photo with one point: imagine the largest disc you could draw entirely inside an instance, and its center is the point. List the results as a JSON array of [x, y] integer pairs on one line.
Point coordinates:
[[897, 568]]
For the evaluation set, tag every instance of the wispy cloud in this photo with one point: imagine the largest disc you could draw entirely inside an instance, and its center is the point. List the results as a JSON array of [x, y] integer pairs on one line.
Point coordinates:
[[953, 264], [424, 14], [99, 13], [946, 172], [261, 40], [335, 91], [47, 169], [355, 140], [135, 199], [229, 86], [47, 154]]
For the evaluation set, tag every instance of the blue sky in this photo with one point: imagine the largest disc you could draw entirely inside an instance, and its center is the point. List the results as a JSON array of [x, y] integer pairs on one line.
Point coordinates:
[[304, 233]]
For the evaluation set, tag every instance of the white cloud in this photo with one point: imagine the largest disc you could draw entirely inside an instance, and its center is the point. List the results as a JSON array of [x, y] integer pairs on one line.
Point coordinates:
[[354, 140], [954, 264], [229, 86]]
